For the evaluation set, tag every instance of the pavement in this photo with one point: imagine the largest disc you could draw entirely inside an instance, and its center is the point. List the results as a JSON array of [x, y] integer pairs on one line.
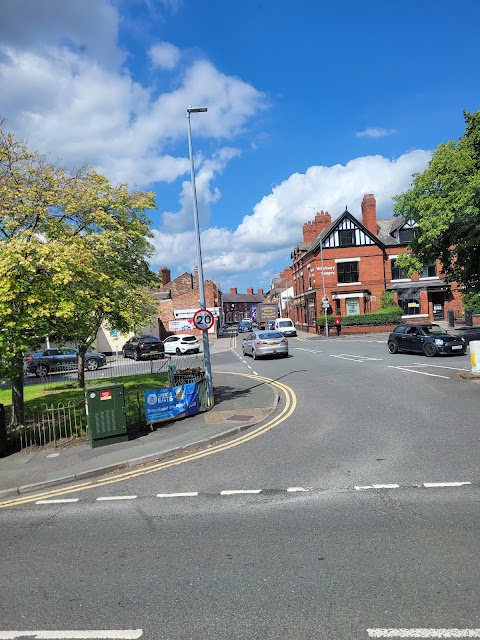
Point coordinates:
[[240, 403]]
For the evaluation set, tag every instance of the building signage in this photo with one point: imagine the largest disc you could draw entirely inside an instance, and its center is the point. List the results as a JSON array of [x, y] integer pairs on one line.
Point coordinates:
[[327, 271], [172, 402], [180, 325], [189, 313]]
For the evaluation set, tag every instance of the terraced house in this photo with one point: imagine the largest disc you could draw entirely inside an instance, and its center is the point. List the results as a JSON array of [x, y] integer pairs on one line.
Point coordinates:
[[352, 262]]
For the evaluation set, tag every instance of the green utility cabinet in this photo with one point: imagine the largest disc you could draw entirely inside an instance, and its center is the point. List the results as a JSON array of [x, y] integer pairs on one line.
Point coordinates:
[[106, 414]]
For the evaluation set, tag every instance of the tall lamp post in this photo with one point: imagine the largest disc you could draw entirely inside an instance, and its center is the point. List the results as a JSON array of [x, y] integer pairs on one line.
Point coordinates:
[[201, 285]]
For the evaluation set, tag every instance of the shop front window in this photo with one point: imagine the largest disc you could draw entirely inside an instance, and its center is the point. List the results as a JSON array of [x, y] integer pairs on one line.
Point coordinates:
[[352, 306]]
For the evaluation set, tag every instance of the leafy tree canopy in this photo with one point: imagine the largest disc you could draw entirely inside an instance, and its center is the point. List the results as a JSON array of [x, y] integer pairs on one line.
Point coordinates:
[[444, 201]]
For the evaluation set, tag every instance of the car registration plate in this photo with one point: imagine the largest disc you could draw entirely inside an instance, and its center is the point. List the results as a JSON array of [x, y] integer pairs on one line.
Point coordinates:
[[153, 351], [274, 344], [457, 346]]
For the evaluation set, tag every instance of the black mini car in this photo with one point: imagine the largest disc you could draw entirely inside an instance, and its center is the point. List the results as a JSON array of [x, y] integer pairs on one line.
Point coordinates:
[[430, 339]]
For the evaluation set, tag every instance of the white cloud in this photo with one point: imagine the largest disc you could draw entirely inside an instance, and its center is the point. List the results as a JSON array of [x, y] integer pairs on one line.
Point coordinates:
[[275, 226], [375, 132], [65, 90], [165, 55]]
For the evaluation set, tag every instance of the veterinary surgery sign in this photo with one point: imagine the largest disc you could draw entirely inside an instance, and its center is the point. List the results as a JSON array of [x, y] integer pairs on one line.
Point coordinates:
[[172, 402]]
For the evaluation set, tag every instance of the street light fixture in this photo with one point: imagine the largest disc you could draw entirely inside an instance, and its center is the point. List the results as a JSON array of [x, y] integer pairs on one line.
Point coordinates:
[[201, 285]]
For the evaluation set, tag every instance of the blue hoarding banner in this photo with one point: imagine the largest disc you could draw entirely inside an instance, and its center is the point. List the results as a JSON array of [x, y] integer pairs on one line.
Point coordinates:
[[172, 402]]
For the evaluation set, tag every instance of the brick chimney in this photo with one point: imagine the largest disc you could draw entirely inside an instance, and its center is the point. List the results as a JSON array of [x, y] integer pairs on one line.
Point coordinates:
[[312, 229], [369, 212], [233, 290], [287, 276], [250, 291], [260, 291], [164, 275]]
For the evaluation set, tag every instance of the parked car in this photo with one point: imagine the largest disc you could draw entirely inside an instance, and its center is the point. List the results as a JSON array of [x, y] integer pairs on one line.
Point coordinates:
[[430, 339], [180, 344], [469, 333], [139, 347], [244, 326], [45, 361], [265, 343]]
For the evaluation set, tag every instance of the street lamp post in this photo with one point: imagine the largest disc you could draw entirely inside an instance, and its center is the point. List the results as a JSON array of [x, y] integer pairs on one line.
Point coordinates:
[[201, 285]]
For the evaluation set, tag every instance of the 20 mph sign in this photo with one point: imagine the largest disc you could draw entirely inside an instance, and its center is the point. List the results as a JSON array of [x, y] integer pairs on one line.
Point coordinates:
[[203, 319]]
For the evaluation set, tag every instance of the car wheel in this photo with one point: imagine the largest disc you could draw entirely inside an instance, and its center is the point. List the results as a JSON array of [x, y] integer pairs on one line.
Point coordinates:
[[91, 364], [41, 371], [135, 355], [254, 354], [430, 350], [124, 353], [178, 352], [393, 347], [244, 352]]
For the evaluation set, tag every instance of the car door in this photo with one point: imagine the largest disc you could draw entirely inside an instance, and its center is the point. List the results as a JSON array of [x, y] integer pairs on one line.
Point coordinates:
[[414, 339], [68, 359], [248, 342], [170, 344]]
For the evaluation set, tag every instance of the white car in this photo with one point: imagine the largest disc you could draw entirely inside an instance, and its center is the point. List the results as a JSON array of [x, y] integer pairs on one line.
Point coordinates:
[[180, 344]]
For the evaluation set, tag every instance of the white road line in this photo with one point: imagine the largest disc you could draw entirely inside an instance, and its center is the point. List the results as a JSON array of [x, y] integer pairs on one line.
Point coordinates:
[[438, 366], [255, 373], [92, 634], [433, 485], [59, 501], [295, 489], [377, 486], [232, 492], [423, 633], [345, 358], [107, 498], [422, 373], [309, 350], [187, 494]]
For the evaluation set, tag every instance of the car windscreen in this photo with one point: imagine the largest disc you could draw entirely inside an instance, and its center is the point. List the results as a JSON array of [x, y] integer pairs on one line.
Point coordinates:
[[433, 330], [285, 323], [270, 335]]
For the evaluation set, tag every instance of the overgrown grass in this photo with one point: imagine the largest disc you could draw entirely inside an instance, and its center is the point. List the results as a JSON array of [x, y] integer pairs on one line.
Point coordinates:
[[36, 396]]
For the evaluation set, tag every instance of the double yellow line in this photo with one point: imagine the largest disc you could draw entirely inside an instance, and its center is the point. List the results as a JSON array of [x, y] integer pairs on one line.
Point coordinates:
[[286, 411]]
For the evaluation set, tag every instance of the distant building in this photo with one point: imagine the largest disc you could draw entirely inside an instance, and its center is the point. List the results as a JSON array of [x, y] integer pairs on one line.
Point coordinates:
[[352, 262], [237, 306]]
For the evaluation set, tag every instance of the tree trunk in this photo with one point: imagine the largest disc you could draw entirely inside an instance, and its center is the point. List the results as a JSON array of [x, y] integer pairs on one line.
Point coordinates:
[[82, 349], [18, 406]]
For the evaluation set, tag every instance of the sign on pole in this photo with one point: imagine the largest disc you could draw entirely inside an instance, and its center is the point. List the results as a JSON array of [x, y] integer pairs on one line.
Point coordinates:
[[203, 319]]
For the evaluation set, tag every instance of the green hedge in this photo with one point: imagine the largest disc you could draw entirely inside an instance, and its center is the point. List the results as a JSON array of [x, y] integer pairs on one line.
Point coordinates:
[[390, 315]]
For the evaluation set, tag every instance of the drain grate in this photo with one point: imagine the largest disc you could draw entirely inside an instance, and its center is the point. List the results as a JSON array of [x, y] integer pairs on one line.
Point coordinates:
[[238, 417]]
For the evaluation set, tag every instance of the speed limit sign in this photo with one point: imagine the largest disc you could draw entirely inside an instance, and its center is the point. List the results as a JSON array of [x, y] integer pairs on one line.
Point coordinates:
[[203, 319]]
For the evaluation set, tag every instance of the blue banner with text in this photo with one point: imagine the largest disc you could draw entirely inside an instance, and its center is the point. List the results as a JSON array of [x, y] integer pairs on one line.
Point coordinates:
[[172, 402]]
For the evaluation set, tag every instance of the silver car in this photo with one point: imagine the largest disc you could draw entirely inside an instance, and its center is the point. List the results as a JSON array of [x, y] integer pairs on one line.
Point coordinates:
[[265, 343]]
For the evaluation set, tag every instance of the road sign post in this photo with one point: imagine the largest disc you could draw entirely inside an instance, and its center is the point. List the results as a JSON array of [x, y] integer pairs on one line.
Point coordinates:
[[325, 306]]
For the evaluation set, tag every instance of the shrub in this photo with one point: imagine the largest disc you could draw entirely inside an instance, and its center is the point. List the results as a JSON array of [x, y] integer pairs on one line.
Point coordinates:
[[387, 299], [471, 301], [389, 315]]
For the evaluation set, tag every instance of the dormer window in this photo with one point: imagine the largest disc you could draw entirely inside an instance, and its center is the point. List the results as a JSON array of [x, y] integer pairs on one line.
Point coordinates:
[[406, 235], [346, 237]]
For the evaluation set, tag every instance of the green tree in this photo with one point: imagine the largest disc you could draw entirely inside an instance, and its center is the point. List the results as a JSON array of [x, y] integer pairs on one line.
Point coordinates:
[[73, 254], [444, 201], [387, 299]]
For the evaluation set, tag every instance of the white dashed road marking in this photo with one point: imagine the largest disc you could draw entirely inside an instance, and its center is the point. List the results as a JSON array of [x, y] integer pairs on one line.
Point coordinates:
[[422, 373], [92, 634], [106, 498], [423, 633], [438, 366], [354, 358], [187, 494], [378, 486], [58, 501], [309, 350], [435, 485], [295, 489]]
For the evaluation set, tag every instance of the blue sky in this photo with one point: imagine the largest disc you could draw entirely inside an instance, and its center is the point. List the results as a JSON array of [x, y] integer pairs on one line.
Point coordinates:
[[311, 104]]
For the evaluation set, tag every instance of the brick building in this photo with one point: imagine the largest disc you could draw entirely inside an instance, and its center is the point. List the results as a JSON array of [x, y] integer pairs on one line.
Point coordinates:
[[237, 306], [179, 298], [353, 262]]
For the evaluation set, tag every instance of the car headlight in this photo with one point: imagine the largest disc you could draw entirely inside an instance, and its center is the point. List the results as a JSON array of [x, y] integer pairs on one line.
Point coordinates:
[[439, 342], [462, 339]]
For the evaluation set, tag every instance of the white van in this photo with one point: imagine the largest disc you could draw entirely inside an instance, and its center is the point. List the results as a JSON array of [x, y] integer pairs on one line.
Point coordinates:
[[285, 326]]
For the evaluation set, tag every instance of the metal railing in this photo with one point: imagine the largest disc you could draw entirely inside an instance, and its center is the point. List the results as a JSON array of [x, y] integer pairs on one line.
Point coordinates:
[[54, 424]]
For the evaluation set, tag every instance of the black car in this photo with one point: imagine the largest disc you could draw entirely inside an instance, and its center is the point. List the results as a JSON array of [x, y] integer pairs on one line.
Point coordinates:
[[45, 361], [430, 339], [139, 347]]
